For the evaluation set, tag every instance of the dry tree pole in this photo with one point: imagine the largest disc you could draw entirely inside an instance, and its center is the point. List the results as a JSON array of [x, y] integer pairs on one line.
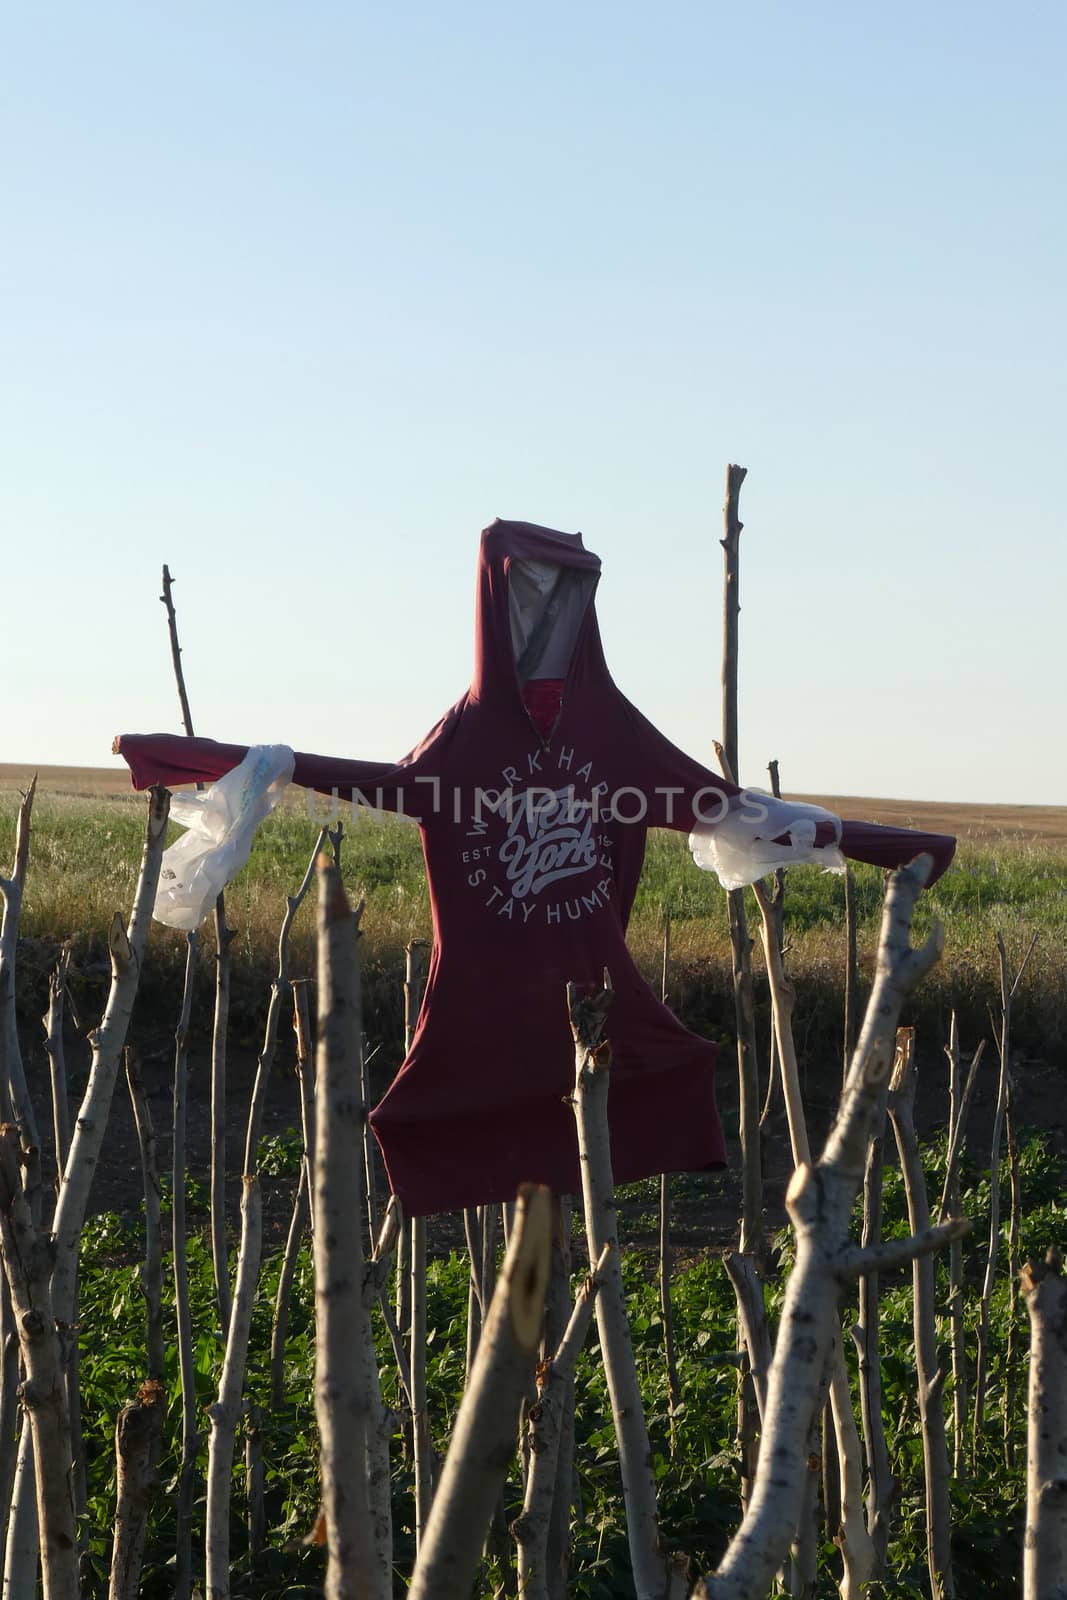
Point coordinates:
[[224, 936], [344, 1399], [851, 1533], [139, 1430], [960, 1097], [15, 1103], [820, 1200], [28, 1263], [657, 1576], [867, 1337], [558, 1313], [1008, 991], [483, 1439], [751, 1241], [9, 1382], [16, 1462], [301, 1212], [1045, 1544], [414, 981], [741, 945], [45, 1297], [57, 1066], [778, 901], [224, 1414], [545, 1422], [1015, 1189], [190, 1439], [674, 1388], [852, 969], [929, 1374]]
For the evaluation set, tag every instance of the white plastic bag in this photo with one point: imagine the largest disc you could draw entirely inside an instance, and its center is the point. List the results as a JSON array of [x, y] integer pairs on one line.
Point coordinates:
[[220, 823], [761, 834]]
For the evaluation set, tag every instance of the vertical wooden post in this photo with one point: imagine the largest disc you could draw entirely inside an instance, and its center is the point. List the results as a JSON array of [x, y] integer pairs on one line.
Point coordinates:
[[1045, 1545], [344, 1359], [420, 1421], [928, 1372], [674, 1390], [752, 1241]]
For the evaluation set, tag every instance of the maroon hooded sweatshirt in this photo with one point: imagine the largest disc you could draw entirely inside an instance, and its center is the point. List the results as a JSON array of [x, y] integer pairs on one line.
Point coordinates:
[[534, 846]]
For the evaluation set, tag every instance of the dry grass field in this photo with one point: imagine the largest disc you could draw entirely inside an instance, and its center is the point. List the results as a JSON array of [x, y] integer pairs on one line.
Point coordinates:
[[976, 824]]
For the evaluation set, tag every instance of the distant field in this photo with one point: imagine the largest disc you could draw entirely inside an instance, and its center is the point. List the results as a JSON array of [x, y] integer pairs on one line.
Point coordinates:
[[976, 823], [1008, 877]]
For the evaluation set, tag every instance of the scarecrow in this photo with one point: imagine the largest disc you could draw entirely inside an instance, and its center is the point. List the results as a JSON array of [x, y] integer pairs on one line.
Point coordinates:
[[534, 794]]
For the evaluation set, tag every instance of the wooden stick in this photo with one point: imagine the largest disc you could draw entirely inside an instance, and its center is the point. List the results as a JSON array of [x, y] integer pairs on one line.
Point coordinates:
[[881, 1487], [27, 1262], [139, 1429], [557, 1321], [298, 1222], [1015, 1189], [301, 1213], [928, 1372], [220, 1253], [852, 969], [226, 1411], [57, 1068], [9, 1407], [190, 1441], [555, 1376], [950, 1205], [820, 1200], [220, 1259], [414, 979], [15, 1102], [1045, 1544], [1008, 992], [151, 1275], [674, 1388], [483, 1440], [107, 1042], [655, 1576], [752, 1238], [22, 1549], [343, 1397], [138, 1434]]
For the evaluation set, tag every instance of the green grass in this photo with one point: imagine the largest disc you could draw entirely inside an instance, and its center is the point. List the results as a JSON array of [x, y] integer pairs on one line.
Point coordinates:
[[83, 865], [698, 1485], [85, 854]]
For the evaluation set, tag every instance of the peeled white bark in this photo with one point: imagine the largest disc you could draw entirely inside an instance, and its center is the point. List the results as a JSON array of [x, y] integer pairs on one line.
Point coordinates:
[[867, 1336], [655, 1574], [1045, 1545], [15, 1103], [27, 1263], [545, 1420], [959, 1106], [22, 1544], [107, 1042], [930, 1378], [344, 1398], [820, 1200], [137, 1439], [225, 1411], [484, 1436], [851, 1535]]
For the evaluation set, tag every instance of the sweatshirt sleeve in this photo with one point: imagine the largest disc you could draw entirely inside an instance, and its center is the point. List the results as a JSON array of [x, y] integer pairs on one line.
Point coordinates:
[[410, 785], [678, 791], [682, 793]]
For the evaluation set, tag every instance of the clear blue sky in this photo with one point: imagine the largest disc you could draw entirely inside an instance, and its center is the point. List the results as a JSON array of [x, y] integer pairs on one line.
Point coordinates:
[[297, 298]]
